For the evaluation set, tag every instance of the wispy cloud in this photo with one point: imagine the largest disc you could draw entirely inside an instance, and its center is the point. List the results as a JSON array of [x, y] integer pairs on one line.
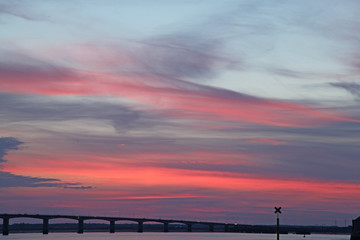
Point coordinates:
[[7, 144], [352, 87], [7, 7], [182, 56], [267, 141]]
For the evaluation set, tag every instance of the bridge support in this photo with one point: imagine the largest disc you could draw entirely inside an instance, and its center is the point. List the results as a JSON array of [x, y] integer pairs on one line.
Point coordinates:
[[45, 226], [112, 226], [140, 227], [211, 228], [355, 233], [166, 227], [5, 226], [189, 227], [81, 226]]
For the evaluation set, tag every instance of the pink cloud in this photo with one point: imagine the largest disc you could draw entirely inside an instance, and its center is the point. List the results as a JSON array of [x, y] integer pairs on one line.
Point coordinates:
[[120, 182], [201, 103], [113, 173], [173, 97]]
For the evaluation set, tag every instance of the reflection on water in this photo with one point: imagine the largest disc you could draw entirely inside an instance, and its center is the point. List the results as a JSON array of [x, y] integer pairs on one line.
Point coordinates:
[[170, 236]]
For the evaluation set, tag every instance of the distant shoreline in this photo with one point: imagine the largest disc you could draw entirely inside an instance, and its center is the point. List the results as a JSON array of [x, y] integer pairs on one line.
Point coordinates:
[[100, 227]]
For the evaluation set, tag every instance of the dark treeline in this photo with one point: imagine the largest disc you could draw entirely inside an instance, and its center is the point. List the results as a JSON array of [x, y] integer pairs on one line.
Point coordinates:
[[101, 227]]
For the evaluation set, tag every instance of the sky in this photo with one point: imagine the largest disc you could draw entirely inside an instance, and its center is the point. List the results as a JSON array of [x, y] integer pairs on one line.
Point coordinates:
[[194, 110]]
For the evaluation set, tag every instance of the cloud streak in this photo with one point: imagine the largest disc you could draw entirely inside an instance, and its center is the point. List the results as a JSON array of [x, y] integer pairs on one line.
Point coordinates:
[[7, 179], [164, 93], [352, 88]]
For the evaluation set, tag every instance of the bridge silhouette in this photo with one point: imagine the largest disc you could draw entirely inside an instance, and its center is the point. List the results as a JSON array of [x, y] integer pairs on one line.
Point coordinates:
[[140, 221]]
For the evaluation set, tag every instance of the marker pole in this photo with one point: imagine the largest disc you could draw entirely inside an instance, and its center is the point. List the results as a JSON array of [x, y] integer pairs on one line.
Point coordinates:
[[277, 212], [277, 227]]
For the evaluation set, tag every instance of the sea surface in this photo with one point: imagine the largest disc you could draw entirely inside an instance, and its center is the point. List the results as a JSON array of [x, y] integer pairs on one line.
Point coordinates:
[[168, 236]]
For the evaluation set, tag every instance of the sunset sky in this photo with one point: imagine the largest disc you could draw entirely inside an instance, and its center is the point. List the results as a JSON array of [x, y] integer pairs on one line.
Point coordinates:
[[197, 110]]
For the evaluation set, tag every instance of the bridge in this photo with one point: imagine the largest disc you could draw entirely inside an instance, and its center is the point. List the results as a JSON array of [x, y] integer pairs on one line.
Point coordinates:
[[140, 221]]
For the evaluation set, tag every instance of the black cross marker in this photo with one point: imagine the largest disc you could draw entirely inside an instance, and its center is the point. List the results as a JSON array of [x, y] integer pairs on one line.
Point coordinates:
[[277, 209]]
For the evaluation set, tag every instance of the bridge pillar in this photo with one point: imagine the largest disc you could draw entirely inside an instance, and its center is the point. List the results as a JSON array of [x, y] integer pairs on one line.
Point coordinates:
[[189, 227], [355, 233], [112, 226], [140, 227], [45, 226], [166, 227], [211, 228], [237, 228], [226, 227], [5, 226], [81, 226]]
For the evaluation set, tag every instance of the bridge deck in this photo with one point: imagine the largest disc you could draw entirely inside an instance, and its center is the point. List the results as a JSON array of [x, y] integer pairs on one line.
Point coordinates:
[[6, 218]]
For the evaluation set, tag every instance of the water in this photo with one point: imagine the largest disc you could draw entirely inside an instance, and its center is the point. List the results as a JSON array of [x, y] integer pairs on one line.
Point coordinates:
[[168, 236]]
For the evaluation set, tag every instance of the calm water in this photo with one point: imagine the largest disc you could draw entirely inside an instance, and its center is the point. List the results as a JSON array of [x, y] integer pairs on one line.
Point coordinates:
[[169, 236]]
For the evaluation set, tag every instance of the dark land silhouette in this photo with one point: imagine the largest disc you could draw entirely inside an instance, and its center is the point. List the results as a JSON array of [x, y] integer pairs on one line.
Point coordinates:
[[150, 227]]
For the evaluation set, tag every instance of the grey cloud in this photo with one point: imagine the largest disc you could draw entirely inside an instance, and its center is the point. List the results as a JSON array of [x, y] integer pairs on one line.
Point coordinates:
[[351, 87], [197, 53], [181, 56], [325, 153], [288, 73], [318, 161], [303, 74], [310, 160], [8, 144], [71, 186], [49, 72], [8, 179], [21, 10], [19, 66], [12, 180], [45, 108], [335, 131], [329, 152]]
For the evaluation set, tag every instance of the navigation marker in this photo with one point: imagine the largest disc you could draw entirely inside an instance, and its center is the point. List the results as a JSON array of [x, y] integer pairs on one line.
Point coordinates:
[[277, 212]]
